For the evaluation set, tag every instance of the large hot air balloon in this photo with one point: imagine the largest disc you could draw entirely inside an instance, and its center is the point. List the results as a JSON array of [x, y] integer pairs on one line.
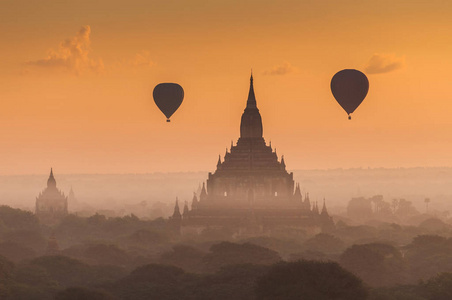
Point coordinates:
[[349, 87], [168, 97]]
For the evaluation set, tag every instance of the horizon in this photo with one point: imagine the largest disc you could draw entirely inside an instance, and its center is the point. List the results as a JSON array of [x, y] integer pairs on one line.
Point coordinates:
[[207, 171]]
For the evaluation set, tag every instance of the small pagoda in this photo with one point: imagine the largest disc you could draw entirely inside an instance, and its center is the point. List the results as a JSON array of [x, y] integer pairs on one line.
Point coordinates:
[[51, 204]]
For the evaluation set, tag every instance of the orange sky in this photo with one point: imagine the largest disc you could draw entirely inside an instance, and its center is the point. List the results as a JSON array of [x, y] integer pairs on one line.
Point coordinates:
[[85, 105]]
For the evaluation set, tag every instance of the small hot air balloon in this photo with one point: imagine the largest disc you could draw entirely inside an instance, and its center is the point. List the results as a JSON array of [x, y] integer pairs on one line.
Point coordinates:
[[168, 97], [349, 87]]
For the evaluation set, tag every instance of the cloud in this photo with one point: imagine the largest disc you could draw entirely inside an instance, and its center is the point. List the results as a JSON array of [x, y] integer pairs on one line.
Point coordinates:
[[138, 62], [142, 59], [384, 63], [282, 69], [73, 55]]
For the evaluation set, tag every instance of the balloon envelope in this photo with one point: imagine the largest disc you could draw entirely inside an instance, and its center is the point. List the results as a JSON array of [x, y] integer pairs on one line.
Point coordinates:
[[349, 87], [168, 97]]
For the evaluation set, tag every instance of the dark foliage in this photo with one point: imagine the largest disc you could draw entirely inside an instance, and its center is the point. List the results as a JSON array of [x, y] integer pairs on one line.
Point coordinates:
[[106, 254], [227, 253], [310, 280], [16, 252], [185, 257], [438, 287], [325, 243], [399, 292], [232, 282], [376, 264], [153, 282], [429, 255], [17, 219], [80, 293]]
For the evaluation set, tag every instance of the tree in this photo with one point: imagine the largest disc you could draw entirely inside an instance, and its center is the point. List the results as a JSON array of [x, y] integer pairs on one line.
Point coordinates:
[[359, 208], [438, 287], [429, 255], [13, 218], [325, 243], [106, 254], [405, 208], [77, 293], [144, 237], [66, 271], [6, 274], [398, 292], [185, 257], [309, 280], [16, 252], [226, 253], [231, 282], [434, 225], [381, 208], [377, 264], [153, 282]]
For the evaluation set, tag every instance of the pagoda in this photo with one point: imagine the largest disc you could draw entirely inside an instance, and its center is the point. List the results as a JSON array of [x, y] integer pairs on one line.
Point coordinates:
[[51, 204], [251, 185]]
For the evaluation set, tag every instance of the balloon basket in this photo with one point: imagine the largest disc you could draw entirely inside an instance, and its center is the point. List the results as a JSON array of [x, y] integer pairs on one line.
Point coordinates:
[[168, 120], [349, 117]]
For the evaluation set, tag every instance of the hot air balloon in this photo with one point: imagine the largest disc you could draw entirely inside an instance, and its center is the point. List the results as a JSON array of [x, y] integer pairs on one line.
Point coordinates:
[[349, 87], [168, 97]]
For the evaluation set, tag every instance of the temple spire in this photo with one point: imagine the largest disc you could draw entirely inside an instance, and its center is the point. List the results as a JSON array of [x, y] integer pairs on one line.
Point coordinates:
[[51, 182], [251, 102], [203, 195], [251, 123], [194, 202], [176, 213], [297, 193], [324, 210], [186, 210]]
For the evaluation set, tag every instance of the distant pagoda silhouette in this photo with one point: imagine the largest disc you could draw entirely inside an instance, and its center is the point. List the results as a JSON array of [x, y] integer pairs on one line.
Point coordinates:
[[51, 204], [251, 186]]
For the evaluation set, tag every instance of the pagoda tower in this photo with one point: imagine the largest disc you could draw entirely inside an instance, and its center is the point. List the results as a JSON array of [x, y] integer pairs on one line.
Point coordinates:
[[51, 204], [250, 167], [250, 188]]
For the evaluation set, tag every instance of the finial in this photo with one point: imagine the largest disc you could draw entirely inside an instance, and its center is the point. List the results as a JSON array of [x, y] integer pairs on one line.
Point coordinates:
[[251, 78]]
